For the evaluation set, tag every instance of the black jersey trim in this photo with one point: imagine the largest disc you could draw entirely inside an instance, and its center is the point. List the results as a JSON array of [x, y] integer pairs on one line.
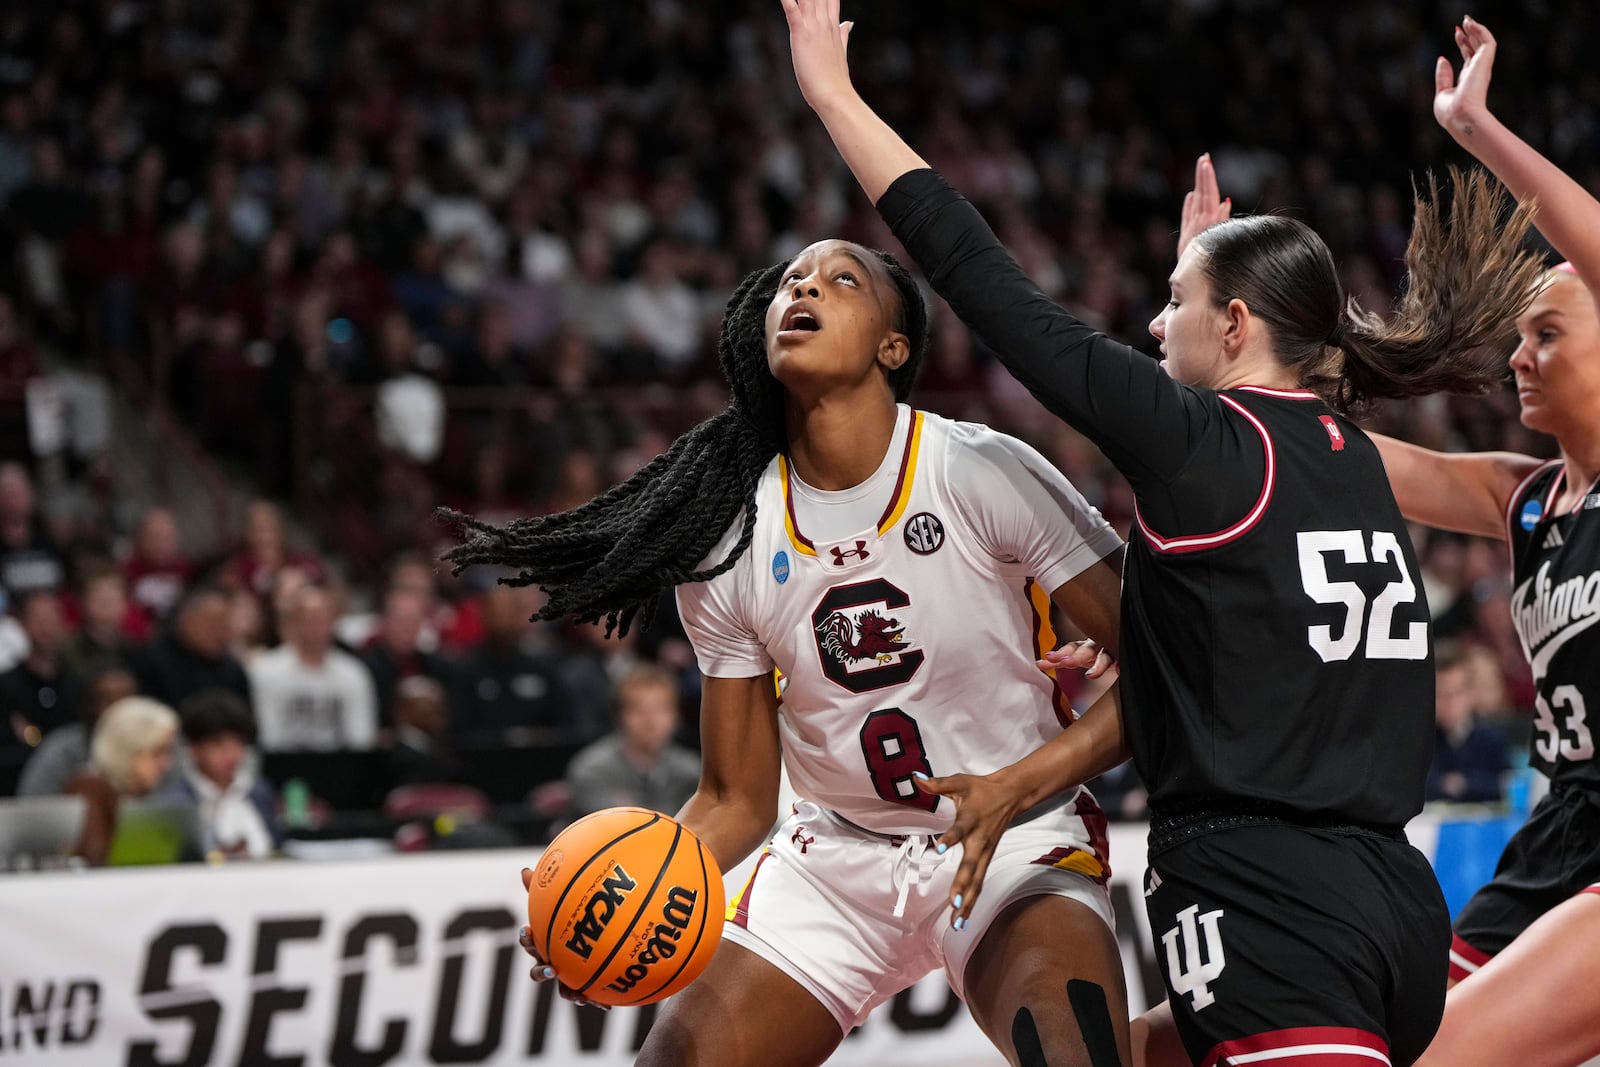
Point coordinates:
[[1515, 501], [1198, 542]]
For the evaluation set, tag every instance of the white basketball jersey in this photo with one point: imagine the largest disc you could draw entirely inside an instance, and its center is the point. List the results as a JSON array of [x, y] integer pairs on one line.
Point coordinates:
[[911, 645]]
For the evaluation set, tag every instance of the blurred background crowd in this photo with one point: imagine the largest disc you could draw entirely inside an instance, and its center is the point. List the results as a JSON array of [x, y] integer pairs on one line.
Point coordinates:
[[278, 277]]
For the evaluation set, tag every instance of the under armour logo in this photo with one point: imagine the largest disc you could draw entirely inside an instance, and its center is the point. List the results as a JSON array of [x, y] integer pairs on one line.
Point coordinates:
[[840, 554], [799, 837], [1335, 435], [1191, 975]]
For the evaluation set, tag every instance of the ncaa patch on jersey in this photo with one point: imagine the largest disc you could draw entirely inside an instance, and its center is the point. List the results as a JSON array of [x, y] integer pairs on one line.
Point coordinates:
[[924, 533], [1530, 514], [780, 567]]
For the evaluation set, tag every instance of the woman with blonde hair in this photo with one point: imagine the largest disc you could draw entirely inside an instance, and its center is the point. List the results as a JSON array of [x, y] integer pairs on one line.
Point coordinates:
[[129, 756]]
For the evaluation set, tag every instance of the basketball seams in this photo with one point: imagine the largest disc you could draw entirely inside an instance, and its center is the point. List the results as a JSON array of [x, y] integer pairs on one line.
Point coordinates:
[[622, 939], [705, 911], [599, 854]]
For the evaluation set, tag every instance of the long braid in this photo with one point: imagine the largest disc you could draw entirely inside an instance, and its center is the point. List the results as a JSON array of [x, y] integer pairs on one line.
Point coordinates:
[[613, 556]]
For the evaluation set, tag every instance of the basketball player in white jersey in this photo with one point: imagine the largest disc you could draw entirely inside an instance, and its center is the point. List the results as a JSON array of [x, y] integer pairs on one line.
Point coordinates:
[[898, 569]]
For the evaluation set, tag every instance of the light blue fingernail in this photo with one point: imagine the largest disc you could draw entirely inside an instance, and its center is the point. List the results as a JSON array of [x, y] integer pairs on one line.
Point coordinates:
[[956, 903], [961, 924], [547, 972], [940, 847], [919, 775]]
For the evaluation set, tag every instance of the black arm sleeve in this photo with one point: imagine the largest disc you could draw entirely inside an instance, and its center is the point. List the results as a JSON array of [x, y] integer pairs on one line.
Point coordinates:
[[1151, 427]]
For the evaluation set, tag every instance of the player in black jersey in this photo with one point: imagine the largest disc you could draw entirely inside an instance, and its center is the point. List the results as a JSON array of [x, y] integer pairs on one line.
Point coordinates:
[[1276, 686], [1533, 1004]]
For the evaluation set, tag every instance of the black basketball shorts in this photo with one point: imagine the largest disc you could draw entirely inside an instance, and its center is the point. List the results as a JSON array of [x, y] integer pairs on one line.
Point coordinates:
[[1554, 856], [1321, 945]]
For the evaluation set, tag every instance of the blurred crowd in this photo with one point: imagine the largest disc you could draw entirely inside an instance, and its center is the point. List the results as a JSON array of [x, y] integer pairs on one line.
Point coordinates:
[[385, 255]]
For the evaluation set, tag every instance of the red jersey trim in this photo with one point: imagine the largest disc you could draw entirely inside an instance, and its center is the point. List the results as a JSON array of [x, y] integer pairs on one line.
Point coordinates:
[[1302, 1046], [1282, 394], [1592, 889], [1237, 530], [1464, 959]]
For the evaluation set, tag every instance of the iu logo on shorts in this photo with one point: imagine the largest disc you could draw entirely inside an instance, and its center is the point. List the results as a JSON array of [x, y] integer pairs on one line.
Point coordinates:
[[1191, 975]]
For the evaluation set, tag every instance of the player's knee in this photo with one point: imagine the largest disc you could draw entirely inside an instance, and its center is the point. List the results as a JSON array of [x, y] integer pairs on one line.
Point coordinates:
[[1083, 1035]]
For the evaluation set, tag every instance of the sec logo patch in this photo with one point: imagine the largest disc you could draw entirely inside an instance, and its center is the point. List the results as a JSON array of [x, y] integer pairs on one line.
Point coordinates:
[[924, 533]]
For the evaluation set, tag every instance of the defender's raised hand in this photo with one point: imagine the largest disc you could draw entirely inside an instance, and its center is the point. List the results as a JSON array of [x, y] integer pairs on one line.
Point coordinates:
[[818, 41], [1203, 205], [1462, 104]]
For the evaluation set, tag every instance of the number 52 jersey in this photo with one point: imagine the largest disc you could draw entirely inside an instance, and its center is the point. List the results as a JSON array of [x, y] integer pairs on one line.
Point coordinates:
[[905, 614]]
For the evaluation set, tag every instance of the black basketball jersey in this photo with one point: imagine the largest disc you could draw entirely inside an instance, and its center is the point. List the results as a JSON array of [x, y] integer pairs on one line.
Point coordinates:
[[1285, 660], [1555, 604], [1275, 641]]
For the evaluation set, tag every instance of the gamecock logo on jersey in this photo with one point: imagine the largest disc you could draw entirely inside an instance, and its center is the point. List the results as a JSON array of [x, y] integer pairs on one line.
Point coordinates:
[[861, 644]]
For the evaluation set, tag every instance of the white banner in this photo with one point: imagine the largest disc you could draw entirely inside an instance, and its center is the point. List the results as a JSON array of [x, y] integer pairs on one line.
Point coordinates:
[[394, 960]]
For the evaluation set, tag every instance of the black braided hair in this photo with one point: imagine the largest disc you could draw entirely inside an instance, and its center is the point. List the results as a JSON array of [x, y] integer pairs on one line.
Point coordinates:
[[614, 556]]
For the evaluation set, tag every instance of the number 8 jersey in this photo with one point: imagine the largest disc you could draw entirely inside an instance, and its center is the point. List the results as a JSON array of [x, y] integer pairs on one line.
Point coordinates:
[[1555, 572], [906, 615]]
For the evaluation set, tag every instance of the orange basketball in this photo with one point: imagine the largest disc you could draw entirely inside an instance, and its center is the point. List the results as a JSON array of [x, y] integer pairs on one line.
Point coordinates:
[[626, 905]]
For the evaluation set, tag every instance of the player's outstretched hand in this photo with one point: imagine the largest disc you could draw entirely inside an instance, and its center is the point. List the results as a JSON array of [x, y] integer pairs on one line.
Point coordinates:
[[1203, 205], [817, 43], [1083, 656], [542, 971], [985, 806], [1459, 105]]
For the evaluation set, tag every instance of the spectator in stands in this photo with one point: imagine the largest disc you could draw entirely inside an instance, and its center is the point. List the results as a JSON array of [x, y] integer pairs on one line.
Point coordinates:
[[39, 695], [638, 765], [394, 652], [157, 571], [504, 685], [420, 752], [590, 666], [19, 364], [29, 559], [129, 756], [310, 694], [660, 311], [191, 655], [109, 624], [1470, 757], [65, 752], [266, 550], [238, 811], [247, 625]]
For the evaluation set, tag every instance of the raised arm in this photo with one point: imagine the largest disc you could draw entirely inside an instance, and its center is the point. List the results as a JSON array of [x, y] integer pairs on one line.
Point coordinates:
[[1568, 215], [1144, 422], [1462, 491]]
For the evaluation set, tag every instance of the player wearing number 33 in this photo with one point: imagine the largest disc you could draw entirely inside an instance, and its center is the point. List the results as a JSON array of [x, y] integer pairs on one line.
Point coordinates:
[[898, 568], [1276, 668]]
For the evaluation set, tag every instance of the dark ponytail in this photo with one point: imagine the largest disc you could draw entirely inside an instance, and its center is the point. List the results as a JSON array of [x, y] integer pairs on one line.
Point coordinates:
[[614, 556], [1467, 282]]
